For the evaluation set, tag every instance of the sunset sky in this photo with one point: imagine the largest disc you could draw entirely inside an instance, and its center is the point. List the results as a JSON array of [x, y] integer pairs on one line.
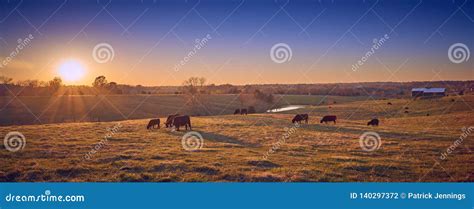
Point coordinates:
[[149, 38]]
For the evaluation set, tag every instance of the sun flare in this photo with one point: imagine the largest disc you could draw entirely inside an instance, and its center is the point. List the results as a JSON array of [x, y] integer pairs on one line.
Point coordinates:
[[71, 71]]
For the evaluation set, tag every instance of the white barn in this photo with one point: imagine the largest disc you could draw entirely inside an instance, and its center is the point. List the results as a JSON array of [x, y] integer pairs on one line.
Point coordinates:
[[428, 92]]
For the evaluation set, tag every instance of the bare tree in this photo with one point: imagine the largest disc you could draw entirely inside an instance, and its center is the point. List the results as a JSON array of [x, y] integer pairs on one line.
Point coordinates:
[[192, 88], [55, 84], [194, 85], [5, 80]]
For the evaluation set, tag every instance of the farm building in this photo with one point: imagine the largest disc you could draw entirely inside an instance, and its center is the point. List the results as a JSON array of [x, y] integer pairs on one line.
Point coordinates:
[[428, 92]]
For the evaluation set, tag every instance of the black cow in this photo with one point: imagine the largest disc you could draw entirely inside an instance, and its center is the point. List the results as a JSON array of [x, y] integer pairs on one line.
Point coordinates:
[[153, 123], [237, 111], [169, 120], [243, 111], [300, 117], [329, 118], [184, 120], [373, 122]]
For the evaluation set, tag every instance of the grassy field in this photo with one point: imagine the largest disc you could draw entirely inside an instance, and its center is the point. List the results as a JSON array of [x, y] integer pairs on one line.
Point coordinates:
[[237, 148], [86, 108]]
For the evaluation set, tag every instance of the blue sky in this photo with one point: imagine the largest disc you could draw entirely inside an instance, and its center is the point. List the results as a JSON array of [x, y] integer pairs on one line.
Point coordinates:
[[326, 38]]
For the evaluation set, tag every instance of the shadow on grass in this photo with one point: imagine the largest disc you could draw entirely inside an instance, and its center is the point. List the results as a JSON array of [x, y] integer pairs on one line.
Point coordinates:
[[216, 138], [331, 128]]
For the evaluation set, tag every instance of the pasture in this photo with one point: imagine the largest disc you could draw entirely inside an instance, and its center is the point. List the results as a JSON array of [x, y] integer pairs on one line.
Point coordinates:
[[236, 147], [84, 108]]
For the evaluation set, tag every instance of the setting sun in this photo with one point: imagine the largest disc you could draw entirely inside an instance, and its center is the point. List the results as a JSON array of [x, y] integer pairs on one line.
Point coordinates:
[[71, 71]]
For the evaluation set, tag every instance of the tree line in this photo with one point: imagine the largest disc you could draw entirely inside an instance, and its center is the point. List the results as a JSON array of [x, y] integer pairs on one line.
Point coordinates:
[[199, 86]]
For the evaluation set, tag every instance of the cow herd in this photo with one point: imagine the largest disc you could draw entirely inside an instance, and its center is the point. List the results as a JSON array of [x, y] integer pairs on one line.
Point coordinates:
[[240, 111], [328, 118], [245, 111], [304, 117], [177, 120]]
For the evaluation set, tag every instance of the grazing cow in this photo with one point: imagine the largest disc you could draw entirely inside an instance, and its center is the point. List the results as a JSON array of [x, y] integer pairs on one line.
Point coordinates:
[[243, 111], [237, 111], [300, 117], [373, 122], [406, 112], [169, 120], [329, 118], [182, 121], [153, 123], [389, 103]]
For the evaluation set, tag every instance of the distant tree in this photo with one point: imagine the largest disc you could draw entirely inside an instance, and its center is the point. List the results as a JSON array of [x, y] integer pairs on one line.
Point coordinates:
[[21, 83], [32, 83], [201, 82], [55, 84], [112, 87], [5, 80], [43, 84], [194, 85], [233, 90], [192, 88], [100, 82]]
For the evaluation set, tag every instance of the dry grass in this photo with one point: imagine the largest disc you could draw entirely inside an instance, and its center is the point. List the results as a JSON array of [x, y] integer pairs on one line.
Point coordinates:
[[234, 147], [33, 110]]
